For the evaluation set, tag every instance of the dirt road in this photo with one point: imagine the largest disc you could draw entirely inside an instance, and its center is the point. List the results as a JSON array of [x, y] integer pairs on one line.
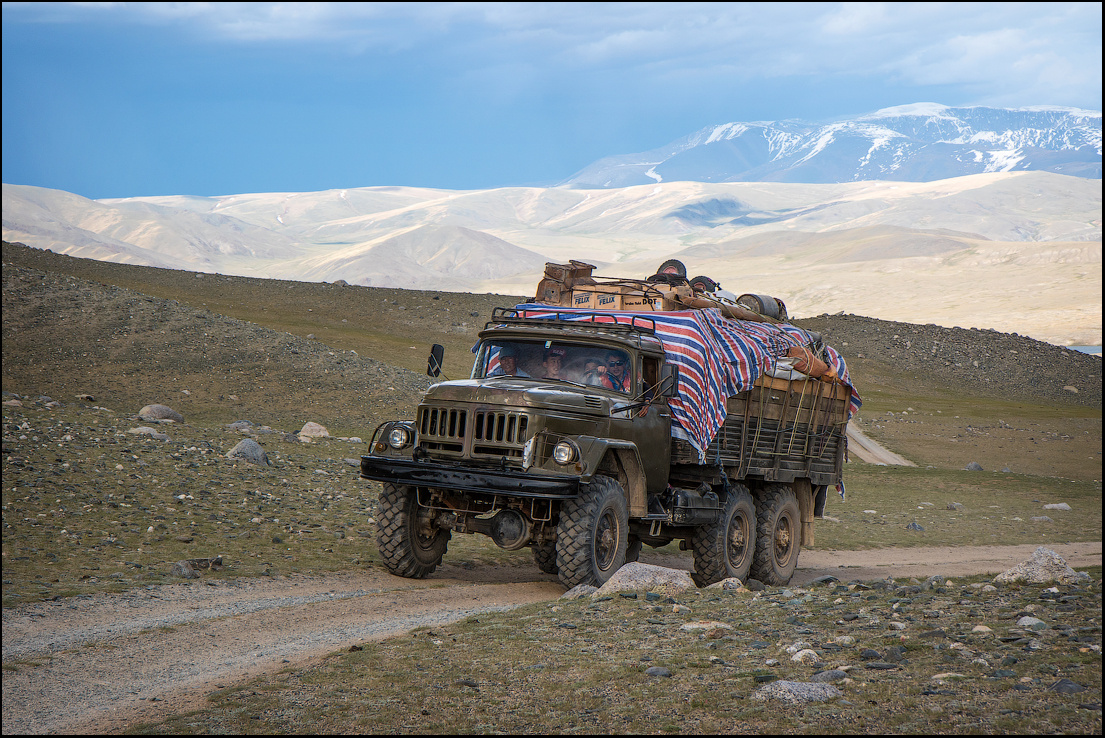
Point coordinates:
[[101, 663]]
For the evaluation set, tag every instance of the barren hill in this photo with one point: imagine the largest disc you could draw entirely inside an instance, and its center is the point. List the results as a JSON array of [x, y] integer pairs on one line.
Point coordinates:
[[72, 325]]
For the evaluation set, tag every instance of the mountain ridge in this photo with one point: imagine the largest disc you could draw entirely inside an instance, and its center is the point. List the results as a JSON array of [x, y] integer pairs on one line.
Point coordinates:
[[918, 142]]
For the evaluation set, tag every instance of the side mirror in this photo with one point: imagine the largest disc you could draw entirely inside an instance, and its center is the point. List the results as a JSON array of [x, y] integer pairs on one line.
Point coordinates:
[[433, 364], [669, 381]]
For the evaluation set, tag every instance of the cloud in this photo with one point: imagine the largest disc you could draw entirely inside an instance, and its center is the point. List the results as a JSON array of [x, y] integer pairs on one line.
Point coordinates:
[[1019, 53]]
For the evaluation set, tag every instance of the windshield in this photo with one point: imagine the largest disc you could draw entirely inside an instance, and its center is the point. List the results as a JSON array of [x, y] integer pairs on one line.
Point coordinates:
[[567, 362]]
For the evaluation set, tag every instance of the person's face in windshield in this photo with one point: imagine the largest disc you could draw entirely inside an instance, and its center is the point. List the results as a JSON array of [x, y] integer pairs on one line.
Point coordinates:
[[509, 364], [554, 364], [615, 365]]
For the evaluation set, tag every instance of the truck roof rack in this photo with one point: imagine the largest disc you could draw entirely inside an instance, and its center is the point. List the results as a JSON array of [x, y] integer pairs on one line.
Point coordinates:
[[600, 319]]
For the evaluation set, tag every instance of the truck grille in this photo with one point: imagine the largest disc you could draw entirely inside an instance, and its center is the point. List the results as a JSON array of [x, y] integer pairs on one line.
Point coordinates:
[[498, 433], [489, 433], [442, 428]]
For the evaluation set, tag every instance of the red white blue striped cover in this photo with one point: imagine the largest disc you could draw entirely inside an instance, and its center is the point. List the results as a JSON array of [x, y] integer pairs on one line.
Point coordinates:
[[717, 358]]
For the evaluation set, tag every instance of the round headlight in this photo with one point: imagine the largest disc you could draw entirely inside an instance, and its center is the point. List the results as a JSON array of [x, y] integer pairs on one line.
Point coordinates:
[[398, 438], [564, 453]]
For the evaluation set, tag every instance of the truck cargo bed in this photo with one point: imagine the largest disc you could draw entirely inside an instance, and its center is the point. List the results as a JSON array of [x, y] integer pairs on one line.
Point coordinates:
[[779, 430]]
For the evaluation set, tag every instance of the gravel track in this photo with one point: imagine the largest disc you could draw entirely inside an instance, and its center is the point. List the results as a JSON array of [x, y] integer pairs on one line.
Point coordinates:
[[101, 663]]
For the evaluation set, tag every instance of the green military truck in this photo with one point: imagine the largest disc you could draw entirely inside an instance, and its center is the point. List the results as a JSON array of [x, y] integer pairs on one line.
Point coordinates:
[[586, 435]]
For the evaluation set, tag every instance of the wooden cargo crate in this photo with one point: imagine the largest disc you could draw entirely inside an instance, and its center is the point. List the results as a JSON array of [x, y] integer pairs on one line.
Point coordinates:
[[779, 430]]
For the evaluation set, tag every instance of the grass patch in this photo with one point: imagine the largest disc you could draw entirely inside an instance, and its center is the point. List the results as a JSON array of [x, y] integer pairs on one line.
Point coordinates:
[[997, 509], [580, 666]]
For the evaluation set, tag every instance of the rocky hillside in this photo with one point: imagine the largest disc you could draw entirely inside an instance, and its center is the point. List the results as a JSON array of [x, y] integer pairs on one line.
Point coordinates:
[[66, 335], [980, 362]]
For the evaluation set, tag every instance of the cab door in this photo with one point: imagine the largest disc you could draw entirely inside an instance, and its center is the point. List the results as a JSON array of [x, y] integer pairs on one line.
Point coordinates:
[[648, 426]]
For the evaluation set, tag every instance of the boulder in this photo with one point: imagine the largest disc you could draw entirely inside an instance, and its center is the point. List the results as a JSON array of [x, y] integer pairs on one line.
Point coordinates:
[[313, 430], [639, 577], [160, 412], [796, 693], [1044, 567], [250, 451]]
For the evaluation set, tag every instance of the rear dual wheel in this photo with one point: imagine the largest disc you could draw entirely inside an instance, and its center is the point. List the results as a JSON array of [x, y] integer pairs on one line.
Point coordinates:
[[725, 549], [778, 535]]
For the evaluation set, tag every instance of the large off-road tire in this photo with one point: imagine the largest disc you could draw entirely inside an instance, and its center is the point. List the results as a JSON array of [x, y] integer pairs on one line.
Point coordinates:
[[726, 548], [544, 555], [704, 284], [408, 544], [593, 535], [673, 266], [778, 535]]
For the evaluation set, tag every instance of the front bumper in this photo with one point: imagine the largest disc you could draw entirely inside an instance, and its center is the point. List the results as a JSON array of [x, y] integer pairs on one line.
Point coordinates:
[[469, 479]]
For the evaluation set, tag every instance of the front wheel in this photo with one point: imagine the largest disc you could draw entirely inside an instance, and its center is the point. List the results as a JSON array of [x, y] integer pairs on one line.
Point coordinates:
[[409, 543], [592, 538], [778, 535], [725, 548]]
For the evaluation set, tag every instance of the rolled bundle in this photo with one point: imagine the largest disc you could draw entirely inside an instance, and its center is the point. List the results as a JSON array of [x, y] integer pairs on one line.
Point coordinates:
[[807, 363]]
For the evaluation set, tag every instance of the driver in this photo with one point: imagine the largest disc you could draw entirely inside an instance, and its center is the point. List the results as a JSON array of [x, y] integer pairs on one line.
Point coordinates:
[[617, 373]]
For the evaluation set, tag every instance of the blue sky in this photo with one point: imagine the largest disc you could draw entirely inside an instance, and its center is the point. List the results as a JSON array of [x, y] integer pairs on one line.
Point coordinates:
[[140, 99]]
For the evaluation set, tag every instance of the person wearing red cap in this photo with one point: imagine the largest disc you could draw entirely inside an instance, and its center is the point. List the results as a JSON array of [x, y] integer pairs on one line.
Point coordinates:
[[554, 363]]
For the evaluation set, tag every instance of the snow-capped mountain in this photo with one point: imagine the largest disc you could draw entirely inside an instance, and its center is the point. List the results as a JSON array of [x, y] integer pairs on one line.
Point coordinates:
[[915, 143]]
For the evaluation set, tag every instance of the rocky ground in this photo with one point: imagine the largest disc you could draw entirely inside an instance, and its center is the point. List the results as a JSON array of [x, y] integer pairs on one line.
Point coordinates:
[[94, 507], [984, 362]]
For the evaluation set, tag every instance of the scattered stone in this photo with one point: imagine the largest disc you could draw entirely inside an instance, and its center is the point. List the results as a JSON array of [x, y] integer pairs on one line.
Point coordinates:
[[160, 412], [1070, 388], [658, 671], [184, 570], [796, 693], [250, 451], [830, 675], [955, 506], [242, 426], [914, 526], [1032, 623], [145, 430], [973, 466], [705, 625], [1057, 506], [806, 656], [579, 591], [732, 584], [637, 577], [1044, 567], [311, 429], [1041, 519]]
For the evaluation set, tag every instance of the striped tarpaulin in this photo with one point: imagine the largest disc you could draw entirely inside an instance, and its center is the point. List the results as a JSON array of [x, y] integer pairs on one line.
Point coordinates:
[[717, 358]]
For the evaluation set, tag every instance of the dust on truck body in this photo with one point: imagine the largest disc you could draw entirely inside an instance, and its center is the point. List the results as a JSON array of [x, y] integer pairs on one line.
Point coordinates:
[[710, 436]]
